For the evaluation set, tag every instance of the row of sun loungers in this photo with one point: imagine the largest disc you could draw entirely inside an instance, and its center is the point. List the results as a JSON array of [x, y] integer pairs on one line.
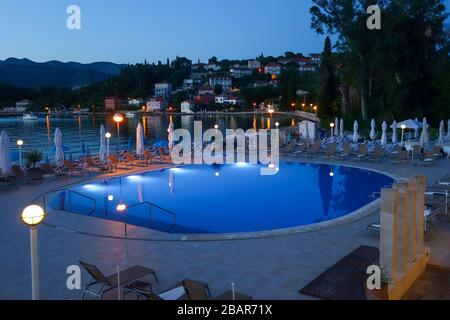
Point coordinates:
[[361, 152], [130, 281]]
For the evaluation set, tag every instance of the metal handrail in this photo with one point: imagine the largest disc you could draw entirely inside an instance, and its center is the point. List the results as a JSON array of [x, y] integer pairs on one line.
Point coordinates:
[[150, 204], [70, 191]]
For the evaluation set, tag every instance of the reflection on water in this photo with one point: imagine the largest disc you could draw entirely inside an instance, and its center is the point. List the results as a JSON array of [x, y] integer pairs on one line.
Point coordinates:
[[76, 130]]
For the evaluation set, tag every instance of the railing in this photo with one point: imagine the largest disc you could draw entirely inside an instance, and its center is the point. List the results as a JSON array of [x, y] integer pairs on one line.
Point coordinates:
[[152, 205], [70, 192]]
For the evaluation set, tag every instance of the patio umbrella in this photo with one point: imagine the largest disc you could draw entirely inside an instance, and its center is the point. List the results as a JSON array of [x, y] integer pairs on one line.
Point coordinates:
[[336, 126], [416, 130], [424, 139], [341, 128], [140, 146], [448, 129], [394, 132], [5, 153], [59, 153], [383, 135], [307, 131], [355, 132], [102, 152], [441, 132], [373, 133], [170, 136]]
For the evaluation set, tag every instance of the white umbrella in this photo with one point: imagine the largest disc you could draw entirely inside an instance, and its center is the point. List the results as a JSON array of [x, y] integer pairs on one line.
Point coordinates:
[[416, 130], [355, 132], [394, 132], [59, 153], [441, 132], [140, 147], [341, 129], [5, 153], [424, 136], [448, 129], [383, 135], [373, 132], [170, 131], [102, 152], [336, 126]]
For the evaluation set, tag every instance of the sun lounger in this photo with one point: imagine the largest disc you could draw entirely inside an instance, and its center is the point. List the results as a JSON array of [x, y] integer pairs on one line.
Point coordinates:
[[101, 284], [331, 151], [347, 152], [115, 162], [164, 156], [51, 170], [92, 165], [72, 167], [131, 160], [428, 159], [148, 156], [402, 157], [363, 152], [314, 150], [378, 154], [436, 152], [31, 176]]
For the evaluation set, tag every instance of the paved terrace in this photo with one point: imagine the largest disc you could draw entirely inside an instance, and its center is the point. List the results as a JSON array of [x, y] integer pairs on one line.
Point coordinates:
[[268, 268]]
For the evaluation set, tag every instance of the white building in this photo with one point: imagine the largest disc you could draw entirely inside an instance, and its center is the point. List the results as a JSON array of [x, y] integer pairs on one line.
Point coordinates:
[[240, 72], [136, 102], [225, 82], [273, 69], [187, 107], [23, 105], [254, 64], [156, 104], [163, 89]]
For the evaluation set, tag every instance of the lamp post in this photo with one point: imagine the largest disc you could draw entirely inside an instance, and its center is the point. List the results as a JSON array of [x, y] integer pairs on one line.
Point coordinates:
[[332, 127], [277, 124], [20, 144], [32, 216], [403, 127], [121, 208], [118, 118], [107, 136]]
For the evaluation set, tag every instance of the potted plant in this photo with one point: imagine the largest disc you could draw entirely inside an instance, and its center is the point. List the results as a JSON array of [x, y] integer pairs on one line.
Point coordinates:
[[383, 292], [33, 157]]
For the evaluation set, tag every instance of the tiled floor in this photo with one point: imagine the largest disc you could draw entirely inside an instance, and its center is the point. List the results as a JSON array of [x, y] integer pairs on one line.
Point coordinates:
[[271, 268]]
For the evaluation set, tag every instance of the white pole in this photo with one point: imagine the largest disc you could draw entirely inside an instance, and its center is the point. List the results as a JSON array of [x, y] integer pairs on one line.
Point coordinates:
[[107, 149], [34, 263], [233, 291], [20, 157], [403, 132]]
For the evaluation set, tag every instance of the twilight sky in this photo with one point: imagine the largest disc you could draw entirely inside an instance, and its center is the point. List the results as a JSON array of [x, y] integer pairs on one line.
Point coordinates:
[[133, 30]]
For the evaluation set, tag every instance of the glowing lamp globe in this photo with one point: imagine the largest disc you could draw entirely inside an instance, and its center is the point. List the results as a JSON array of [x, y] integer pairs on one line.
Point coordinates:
[[32, 215], [118, 117], [121, 207], [108, 135], [20, 143]]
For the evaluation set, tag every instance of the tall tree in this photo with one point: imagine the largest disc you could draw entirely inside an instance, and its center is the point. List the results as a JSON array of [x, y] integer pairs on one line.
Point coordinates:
[[328, 88]]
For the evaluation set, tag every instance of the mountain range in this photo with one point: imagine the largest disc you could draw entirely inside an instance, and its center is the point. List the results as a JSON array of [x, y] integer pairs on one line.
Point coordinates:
[[29, 74]]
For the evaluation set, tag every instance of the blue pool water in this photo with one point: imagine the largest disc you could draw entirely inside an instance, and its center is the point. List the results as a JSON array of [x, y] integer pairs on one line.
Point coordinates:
[[226, 198]]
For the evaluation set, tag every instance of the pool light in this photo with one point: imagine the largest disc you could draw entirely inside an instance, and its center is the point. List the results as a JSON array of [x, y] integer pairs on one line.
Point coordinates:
[[217, 174], [331, 173], [110, 197]]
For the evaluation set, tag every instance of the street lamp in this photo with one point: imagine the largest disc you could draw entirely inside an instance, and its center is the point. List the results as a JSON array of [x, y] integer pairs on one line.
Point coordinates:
[[107, 136], [121, 208], [32, 216], [315, 109], [20, 144], [277, 124], [403, 127], [118, 118], [332, 127]]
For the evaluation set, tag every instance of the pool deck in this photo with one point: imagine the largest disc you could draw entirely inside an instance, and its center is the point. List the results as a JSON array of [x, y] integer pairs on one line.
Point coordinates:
[[265, 268]]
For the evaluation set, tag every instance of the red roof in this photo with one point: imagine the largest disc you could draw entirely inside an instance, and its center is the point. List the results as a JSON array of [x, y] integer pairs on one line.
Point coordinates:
[[273, 64]]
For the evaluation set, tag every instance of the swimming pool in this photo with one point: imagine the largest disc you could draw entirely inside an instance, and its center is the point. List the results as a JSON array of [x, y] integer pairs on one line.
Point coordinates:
[[202, 199]]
